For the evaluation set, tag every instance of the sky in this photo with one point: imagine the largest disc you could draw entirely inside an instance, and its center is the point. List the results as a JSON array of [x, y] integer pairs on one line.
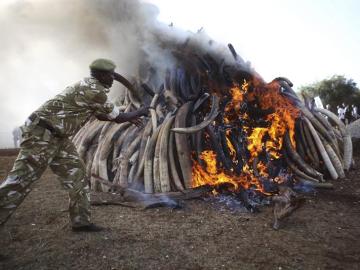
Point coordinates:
[[305, 41]]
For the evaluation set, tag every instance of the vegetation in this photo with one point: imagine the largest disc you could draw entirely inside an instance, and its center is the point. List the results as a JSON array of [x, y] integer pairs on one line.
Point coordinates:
[[334, 91]]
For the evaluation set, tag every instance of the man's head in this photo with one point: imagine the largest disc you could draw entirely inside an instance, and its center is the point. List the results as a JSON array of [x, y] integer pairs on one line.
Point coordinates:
[[103, 71]]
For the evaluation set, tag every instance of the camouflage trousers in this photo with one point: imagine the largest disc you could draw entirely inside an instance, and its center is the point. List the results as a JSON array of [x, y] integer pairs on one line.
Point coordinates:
[[38, 150]]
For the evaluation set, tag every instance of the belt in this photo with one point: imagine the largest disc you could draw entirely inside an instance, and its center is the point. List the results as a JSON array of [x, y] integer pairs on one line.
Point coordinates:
[[42, 123]]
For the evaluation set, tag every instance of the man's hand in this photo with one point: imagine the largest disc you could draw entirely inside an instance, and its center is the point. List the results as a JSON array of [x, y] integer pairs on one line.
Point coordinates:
[[132, 116], [137, 122], [144, 111]]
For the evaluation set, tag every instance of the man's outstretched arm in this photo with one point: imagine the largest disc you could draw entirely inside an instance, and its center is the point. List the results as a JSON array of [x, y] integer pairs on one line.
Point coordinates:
[[133, 117]]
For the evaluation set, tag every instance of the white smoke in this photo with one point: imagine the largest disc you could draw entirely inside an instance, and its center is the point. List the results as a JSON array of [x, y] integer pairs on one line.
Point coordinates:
[[47, 45]]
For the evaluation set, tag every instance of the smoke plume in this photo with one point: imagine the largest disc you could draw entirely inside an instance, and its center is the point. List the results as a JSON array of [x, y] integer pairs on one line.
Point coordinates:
[[48, 45]]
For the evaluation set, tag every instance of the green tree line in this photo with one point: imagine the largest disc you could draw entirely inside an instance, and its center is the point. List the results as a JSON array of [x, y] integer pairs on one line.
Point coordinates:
[[334, 91]]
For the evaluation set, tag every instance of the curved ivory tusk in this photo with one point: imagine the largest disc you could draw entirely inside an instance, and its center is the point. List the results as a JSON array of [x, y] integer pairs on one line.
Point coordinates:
[[159, 112], [96, 161], [314, 184], [119, 142], [153, 112], [124, 144], [98, 164], [138, 181], [134, 157], [182, 144], [207, 121], [323, 120], [132, 172], [156, 161], [200, 101], [173, 168], [299, 138], [333, 143], [148, 162], [92, 133], [315, 123], [296, 170], [79, 136], [124, 161], [310, 143], [322, 150], [299, 161], [334, 159], [164, 164], [348, 147]]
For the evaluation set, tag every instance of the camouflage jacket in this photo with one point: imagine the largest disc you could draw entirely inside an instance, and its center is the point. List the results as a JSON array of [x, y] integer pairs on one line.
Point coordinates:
[[71, 109]]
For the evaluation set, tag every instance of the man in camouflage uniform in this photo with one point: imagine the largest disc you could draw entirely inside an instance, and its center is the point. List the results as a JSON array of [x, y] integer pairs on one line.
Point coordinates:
[[46, 142]]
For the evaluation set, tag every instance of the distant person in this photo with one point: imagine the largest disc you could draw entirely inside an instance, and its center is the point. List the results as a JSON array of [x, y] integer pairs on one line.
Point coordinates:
[[327, 107], [348, 114], [355, 112], [341, 113], [46, 141], [17, 136]]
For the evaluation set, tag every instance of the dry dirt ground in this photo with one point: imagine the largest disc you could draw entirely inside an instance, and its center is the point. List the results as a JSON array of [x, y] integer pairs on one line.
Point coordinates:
[[323, 234]]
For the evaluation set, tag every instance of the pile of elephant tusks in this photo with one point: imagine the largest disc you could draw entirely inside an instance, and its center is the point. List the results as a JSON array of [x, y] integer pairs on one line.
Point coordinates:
[[186, 108]]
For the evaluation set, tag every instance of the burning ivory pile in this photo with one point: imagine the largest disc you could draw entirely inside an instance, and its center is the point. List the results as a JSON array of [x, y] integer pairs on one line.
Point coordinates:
[[213, 120]]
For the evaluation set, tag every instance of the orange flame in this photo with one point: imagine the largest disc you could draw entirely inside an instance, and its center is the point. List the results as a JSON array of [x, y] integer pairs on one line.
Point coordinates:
[[259, 139], [210, 175], [213, 176]]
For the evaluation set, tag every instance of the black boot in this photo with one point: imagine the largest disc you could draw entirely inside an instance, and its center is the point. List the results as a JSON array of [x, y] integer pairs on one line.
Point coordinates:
[[88, 228]]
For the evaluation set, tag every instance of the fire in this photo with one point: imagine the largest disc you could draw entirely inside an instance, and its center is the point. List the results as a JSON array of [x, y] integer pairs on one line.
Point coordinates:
[[210, 175], [210, 158], [214, 176], [229, 144], [283, 118], [255, 141], [279, 116]]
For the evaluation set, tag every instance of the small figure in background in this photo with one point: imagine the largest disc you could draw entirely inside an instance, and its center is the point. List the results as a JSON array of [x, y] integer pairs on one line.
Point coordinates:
[[355, 113], [327, 107], [17, 136], [341, 113], [348, 114]]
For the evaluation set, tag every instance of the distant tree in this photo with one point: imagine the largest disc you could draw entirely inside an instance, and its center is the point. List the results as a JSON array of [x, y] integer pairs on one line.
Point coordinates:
[[334, 91]]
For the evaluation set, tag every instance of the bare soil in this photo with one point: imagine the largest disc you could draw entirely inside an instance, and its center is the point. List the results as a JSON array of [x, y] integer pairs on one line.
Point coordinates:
[[323, 234]]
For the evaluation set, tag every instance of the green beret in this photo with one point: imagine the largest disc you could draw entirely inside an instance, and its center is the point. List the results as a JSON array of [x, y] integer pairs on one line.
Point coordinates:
[[103, 64]]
